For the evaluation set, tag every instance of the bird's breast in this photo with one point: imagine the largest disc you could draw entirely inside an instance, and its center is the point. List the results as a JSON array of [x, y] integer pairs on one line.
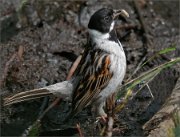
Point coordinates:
[[118, 68], [117, 59]]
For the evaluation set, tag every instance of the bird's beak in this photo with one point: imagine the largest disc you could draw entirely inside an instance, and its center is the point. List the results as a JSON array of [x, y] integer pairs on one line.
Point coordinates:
[[121, 13]]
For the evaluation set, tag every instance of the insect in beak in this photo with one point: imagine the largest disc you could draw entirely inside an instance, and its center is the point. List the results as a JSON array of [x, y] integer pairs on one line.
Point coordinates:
[[121, 12]]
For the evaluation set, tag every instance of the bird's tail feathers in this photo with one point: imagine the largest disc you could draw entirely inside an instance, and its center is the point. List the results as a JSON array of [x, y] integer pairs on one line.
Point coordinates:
[[62, 89], [25, 96]]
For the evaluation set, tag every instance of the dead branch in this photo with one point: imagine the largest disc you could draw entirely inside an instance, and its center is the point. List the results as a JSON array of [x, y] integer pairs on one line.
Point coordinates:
[[144, 27], [56, 101], [127, 26], [20, 53], [6, 69], [109, 127], [73, 68], [79, 130], [110, 105]]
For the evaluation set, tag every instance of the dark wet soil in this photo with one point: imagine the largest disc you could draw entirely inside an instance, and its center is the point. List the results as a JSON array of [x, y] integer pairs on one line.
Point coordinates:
[[53, 33]]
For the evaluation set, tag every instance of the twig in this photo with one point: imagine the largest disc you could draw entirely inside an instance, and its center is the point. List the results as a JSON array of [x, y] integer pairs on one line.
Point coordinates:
[[79, 130], [127, 26], [110, 105], [6, 69], [137, 7], [44, 105], [73, 68], [150, 90], [20, 52], [109, 127], [57, 100]]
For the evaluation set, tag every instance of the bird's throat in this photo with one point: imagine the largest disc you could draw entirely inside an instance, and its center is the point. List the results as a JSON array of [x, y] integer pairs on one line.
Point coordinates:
[[95, 34]]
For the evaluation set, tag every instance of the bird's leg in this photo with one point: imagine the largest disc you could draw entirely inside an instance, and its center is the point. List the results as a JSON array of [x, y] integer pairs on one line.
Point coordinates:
[[100, 112], [110, 104]]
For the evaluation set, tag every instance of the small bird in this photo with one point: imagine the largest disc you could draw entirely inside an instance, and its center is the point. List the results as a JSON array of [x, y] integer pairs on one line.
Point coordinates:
[[100, 71]]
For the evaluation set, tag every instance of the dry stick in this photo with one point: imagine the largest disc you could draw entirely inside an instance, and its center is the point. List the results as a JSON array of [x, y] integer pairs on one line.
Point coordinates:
[[56, 101], [110, 105], [6, 69], [127, 26], [137, 7], [109, 126], [73, 68], [79, 130], [20, 53]]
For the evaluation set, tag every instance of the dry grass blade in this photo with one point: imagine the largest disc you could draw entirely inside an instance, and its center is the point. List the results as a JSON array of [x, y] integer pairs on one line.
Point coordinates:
[[126, 89], [143, 62], [164, 51]]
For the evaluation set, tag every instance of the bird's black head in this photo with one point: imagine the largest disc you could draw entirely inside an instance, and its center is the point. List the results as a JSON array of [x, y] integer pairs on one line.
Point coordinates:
[[103, 19]]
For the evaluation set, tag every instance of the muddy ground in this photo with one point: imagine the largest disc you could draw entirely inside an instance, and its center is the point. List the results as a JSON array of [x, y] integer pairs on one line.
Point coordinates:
[[51, 34]]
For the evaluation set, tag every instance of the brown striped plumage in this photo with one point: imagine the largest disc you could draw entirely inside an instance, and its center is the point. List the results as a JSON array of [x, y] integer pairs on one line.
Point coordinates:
[[94, 75]]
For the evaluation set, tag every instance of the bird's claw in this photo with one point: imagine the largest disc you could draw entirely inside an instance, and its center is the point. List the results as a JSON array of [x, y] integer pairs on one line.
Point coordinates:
[[102, 119]]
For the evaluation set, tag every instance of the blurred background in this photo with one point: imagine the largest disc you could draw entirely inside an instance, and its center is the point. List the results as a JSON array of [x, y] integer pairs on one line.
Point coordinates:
[[40, 39]]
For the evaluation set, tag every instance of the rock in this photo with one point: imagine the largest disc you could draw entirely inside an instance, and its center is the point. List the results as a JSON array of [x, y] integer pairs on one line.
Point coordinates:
[[162, 122]]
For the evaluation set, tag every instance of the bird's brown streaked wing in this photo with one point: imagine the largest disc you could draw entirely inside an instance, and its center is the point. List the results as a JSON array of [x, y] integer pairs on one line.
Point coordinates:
[[95, 72]]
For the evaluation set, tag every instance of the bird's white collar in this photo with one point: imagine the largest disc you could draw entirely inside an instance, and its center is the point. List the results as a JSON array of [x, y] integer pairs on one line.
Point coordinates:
[[99, 35], [112, 26]]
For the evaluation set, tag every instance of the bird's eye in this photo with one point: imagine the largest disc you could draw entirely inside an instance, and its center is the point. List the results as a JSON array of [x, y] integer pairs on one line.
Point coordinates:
[[107, 19]]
